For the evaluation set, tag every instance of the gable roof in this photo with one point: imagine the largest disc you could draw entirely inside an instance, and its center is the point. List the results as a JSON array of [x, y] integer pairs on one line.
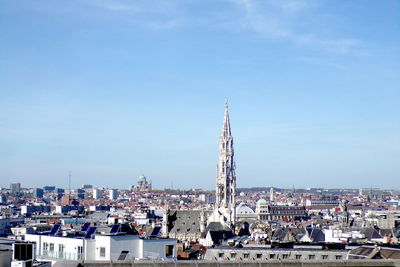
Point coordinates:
[[185, 221], [371, 233], [219, 236], [317, 235]]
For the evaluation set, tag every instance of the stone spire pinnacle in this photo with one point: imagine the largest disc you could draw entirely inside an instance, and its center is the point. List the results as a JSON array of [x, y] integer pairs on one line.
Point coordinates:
[[226, 126]]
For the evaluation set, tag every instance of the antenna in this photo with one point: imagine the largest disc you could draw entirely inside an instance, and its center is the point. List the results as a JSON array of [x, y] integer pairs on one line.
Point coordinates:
[[69, 181]]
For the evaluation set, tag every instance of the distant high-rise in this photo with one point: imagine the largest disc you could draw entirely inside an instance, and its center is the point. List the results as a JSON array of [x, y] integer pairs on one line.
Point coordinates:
[[113, 194], [38, 193], [96, 193], [60, 193], [80, 193], [49, 188], [15, 188], [225, 210], [3, 199]]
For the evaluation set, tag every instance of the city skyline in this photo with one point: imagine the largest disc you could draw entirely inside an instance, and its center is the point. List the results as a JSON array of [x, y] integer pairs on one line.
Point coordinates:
[[111, 90]]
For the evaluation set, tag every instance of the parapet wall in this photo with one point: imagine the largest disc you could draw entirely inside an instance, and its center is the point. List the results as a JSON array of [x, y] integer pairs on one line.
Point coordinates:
[[353, 263]]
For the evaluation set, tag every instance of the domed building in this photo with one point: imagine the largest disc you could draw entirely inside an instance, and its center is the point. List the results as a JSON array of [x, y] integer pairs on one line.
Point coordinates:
[[261, 201], [142, 184], [261, 207], [245, 213]]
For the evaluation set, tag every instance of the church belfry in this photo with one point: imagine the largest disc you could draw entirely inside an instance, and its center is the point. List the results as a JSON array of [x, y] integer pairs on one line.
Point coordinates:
[[225, 211]]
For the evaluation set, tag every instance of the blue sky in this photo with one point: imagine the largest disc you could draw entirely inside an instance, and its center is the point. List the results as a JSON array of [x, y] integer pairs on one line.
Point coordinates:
[[113, 89]]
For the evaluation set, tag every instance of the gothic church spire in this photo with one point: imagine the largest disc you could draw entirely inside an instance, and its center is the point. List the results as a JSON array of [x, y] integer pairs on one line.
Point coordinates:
[[226, 177]]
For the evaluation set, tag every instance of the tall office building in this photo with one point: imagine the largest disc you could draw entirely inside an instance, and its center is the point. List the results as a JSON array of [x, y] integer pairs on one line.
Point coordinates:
[[15, 188], [3, 199], [38, 192], [113, 194], [59, 192], [96, 193], [49, 188], [80, 193]]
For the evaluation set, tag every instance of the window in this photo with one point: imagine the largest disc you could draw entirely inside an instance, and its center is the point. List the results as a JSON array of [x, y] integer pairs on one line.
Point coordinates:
[[80, 252], [259, 255], [272, 256], [285, 256], [233, 255], [51, 246], [169, 250], [45, 246], [61, 250], [324, 257], [220, 255], [298, 257], [246, 255], [102, 251], [123, 255], [311, 257], [338, 257]]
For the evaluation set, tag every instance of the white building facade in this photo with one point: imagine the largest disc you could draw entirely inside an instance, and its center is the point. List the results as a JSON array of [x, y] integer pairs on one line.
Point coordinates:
[[103, 247], [113, 194]]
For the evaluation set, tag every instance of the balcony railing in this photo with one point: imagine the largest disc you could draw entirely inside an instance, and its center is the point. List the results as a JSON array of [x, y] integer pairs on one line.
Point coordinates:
[[61, 255]]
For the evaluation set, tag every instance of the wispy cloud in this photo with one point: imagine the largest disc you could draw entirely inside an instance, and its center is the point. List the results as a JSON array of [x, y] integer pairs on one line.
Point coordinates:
[[271, 19], [277, 20]]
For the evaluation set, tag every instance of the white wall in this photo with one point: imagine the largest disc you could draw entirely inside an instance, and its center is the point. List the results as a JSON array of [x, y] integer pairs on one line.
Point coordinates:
[[114, 245], [90, 249], [157, 246]]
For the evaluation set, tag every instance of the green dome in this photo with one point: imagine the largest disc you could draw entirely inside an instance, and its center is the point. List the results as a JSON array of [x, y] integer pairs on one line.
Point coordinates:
[[142, 177], [261, 201]]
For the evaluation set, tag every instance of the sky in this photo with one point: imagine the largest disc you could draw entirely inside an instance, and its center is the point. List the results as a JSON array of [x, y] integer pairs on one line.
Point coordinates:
[[113, 89]]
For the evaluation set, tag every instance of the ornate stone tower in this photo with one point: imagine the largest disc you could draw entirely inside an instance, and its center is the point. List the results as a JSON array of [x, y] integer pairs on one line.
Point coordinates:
[[224, 211], [271, 195]]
